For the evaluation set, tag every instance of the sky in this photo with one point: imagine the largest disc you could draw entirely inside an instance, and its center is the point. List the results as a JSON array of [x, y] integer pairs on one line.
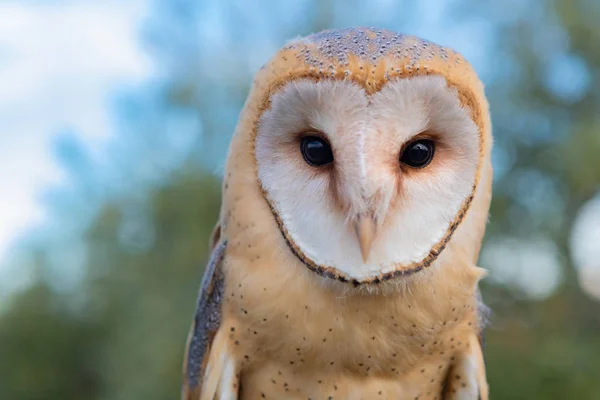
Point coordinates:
[[59, 64]]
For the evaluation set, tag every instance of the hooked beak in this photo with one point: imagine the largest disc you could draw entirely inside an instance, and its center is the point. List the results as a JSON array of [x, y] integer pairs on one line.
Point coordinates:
[[365, 231]]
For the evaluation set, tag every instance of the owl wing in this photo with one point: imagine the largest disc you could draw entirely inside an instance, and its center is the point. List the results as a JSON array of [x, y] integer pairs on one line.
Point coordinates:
[[206, 350], [466, 378]]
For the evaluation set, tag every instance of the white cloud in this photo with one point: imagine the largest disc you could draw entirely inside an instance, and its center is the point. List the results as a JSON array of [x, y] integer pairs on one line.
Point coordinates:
[[59, 63]]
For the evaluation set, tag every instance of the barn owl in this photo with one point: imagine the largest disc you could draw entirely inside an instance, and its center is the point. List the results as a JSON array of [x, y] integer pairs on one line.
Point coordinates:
[[355, 199]]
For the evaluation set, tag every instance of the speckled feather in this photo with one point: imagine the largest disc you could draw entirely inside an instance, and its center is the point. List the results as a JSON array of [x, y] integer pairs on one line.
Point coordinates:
[[288, 332]]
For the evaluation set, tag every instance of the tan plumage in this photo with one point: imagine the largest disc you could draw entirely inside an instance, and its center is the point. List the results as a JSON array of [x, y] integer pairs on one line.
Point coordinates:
[[294, 324]]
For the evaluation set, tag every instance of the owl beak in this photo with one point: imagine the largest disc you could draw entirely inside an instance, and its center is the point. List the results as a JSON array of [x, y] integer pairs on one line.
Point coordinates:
[[365, 231]]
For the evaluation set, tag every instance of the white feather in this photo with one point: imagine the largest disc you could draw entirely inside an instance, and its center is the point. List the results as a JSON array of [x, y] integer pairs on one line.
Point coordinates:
[[366, 134]]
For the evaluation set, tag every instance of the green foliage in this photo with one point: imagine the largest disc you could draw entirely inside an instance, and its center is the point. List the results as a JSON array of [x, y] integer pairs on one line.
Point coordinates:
[[123, 336], [147, 296], [46, 352]]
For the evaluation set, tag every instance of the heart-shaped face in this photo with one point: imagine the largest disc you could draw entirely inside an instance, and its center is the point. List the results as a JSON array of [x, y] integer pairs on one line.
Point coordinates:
[[367, 185]]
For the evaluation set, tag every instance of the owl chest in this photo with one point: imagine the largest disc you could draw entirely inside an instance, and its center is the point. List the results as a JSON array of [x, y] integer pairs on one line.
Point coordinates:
[[276, 382], [292, 338], [289, 348], [306, 361]]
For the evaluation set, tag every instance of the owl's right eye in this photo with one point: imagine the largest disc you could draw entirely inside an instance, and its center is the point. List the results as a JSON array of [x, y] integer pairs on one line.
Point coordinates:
[[316, 151]]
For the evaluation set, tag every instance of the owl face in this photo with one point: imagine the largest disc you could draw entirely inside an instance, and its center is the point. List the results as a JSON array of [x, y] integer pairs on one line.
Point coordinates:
[[364, 185]]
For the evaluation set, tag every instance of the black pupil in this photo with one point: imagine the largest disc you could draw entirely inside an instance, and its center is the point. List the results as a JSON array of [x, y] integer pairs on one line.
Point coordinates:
[[418, 154], [316, 151]]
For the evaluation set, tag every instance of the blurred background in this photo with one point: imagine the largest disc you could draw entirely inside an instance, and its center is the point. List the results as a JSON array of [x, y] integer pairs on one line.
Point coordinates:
[[114, 123]]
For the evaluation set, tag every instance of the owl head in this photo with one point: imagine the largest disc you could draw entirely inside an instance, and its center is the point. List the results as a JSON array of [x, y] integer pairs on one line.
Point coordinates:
[[370, 150]]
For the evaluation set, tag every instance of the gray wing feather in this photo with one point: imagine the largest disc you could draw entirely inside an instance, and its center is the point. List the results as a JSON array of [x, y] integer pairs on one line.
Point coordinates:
[[483, 313], [207, 318]]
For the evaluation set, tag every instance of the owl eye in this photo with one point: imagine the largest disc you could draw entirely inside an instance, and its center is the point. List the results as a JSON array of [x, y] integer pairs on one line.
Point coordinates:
[[316, 151], [418, 153]]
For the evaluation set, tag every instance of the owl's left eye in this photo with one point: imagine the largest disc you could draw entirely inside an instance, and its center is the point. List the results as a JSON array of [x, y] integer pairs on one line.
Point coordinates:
[[316, 151], [418, 153]]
